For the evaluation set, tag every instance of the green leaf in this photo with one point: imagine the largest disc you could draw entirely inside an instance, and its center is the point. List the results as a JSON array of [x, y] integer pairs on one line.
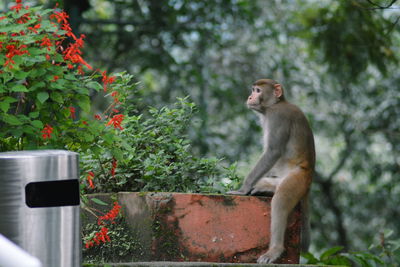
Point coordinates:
[[82, 90], [38, 124], [84, 103], [16, 132], [19, 88], [42, 97], [37, 72], [70, 77], [20, 75], [37, 85], [56, 96], [330, 252], [19, 59], [10, 119], [34, 114], [10, 99], [95, 85], [88, 137], [36, 59], [36, 51], [4, 106], [6, 76], [98, 201], [29, 130]]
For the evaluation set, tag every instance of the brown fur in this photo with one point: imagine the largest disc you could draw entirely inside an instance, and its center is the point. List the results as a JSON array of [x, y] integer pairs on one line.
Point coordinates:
[[287, 164]]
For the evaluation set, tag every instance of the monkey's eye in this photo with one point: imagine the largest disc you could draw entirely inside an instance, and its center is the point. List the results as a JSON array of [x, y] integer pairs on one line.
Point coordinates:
[[258, 90]]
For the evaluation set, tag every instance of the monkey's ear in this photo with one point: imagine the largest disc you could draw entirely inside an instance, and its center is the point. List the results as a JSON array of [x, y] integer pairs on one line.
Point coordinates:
[[278, 90]]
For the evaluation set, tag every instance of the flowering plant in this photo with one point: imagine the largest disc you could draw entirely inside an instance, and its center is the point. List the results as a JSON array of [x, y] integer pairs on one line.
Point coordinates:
[[45, 102], [45, 92], [43, 83]]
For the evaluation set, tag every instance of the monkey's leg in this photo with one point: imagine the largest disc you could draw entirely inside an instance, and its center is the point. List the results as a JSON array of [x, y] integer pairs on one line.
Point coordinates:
[[266, 185], [288, 193]]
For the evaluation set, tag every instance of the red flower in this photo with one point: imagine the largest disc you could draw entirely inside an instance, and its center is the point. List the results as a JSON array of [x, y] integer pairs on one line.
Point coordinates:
[[80, 70], [89, 244], [114, 167], [73, 53], [97, 117], [17, 7], [116, 121], [14, 50], [107, 80], [34, 28], [115, 96], [46, 43], [72, 112], [60, 17], [111, 215], [101, 236], [90, 177], [85, 122], [46, 132]]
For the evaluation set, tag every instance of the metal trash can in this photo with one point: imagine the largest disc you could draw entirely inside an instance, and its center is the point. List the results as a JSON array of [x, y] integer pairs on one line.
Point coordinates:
[[39, 204]]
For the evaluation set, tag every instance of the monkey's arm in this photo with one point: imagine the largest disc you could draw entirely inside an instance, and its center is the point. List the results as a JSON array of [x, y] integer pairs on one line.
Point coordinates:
[[264, 164], [277, 141]]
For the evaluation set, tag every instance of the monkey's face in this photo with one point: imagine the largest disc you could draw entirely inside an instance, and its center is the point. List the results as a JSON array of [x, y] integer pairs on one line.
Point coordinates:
[[264, 96], [256, 98]]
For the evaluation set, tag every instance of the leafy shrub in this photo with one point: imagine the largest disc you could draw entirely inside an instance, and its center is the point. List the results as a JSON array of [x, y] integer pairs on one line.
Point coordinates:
[[45, 102], [386, 253], [124, 245], [154, 155], [42, 82]]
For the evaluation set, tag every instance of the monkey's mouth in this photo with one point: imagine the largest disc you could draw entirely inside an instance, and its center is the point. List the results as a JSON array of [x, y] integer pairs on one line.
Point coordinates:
[[252, 105]]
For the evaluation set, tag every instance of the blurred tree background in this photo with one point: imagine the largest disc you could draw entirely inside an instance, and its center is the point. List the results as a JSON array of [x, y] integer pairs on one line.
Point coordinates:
[[337, 59]]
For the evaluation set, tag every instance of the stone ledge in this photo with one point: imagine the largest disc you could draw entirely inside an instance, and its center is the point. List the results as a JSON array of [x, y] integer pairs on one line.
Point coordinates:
[[197, 264], [196, 228]]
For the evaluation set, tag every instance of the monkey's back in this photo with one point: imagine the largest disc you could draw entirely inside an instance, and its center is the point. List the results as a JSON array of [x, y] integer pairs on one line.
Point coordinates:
[[300, 148]]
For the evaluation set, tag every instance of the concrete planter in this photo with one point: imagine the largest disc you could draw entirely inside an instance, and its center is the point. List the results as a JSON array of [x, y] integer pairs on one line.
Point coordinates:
[[207, 228]]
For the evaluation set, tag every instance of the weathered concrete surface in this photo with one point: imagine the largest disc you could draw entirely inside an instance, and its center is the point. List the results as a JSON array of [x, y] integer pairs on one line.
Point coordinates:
[[206, 228]]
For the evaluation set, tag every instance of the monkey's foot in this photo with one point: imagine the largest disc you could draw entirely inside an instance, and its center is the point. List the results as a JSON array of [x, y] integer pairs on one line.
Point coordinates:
[[271, 255]]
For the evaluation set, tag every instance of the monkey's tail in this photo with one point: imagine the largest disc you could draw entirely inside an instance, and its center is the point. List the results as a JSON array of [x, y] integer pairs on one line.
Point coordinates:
[[305, 224]]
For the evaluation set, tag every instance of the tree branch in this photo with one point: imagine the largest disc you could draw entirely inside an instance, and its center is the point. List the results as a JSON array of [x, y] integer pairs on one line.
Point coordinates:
[[327, 187], [377, 6]]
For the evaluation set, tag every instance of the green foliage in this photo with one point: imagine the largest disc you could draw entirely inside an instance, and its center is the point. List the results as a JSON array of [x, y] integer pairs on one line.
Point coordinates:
[[45, 103], [154, 154], [124, 244], [39, 85], [351, 36], [388, 248], [385, 253], [334, 256]]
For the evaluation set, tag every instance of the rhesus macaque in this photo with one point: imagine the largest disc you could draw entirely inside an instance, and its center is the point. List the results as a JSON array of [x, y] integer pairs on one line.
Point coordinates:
[[286, 166]]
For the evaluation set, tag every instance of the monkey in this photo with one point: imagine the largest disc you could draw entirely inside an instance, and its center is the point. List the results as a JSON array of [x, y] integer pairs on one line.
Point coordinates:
[[286, 165]]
